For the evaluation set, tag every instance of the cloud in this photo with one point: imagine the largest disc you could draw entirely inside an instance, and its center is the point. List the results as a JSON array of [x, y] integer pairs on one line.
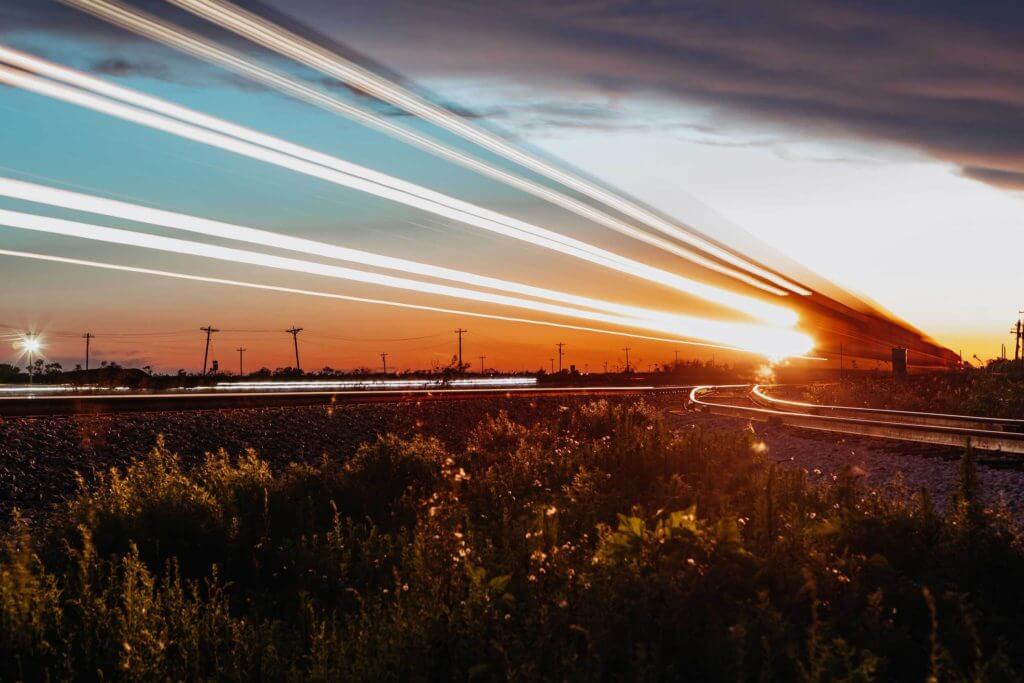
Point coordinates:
[[1012, 180], [943, 78], [121, 67]]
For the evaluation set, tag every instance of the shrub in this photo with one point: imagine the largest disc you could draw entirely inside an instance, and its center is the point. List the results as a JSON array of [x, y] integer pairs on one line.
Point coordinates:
[[593, 544]]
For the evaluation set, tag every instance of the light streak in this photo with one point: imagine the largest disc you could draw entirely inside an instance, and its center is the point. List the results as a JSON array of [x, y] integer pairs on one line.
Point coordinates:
[[771, 341], [286, 43], [197, 46], [346, 297], [353, 176], [17, 189], [424, 383]]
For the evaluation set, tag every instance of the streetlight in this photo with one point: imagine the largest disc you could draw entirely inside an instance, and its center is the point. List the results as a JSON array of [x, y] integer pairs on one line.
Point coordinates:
[[30, 345]]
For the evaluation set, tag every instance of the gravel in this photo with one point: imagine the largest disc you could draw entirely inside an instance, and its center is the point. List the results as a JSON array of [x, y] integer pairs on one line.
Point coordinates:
[[39, 457], [919, 466]]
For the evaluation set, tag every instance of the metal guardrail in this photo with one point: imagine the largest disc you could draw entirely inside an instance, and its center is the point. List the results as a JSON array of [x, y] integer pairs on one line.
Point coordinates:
[[760, 396], [943, 435]]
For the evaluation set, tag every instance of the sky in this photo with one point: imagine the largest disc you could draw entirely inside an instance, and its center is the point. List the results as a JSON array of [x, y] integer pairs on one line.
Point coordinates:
[[878, 146]]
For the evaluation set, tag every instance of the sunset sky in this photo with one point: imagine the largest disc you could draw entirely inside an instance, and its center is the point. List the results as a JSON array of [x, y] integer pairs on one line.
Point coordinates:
[[879, 146]]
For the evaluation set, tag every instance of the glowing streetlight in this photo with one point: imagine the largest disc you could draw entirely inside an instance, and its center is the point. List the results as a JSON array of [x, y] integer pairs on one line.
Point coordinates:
[[30, 346]]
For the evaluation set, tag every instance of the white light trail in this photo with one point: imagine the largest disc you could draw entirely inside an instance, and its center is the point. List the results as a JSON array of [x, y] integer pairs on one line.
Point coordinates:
[[197, 46], [257, 146], [286, 43], [417, 383], [75, 201], [380, 302], [772, 341]]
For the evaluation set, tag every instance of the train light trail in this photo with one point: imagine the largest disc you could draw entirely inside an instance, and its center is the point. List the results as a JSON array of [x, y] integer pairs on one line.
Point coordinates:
[[197, 46], [257, 146], [278, 39], [17, 189], [771, 341], [794, 349]]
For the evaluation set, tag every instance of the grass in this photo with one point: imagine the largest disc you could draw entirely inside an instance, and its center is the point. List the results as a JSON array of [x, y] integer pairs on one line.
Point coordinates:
[[596, 544], [990, 393]]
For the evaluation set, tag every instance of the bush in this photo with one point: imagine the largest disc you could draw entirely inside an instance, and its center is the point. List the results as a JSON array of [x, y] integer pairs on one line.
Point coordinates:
[[594, 544]]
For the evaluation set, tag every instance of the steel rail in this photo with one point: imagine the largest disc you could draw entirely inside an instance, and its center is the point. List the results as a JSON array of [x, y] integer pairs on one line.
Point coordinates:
[[760, 396], [942, 435], [39, 406]]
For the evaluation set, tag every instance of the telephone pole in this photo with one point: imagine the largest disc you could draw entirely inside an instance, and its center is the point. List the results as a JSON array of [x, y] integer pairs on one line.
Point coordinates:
[[677, 358], [482, 364], [87, 337], [384, 360], [1016, 332], [294, 331], [552, 362], [460, 332], [627, 350], [209, 330], [560, 346], [240, 350]]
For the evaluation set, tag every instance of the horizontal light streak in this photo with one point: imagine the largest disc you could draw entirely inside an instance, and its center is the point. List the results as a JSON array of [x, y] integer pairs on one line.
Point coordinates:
[[771, 341], [41, 194], [423, 383], [358, 299], [354, 177], [286, 43], [197, 46]]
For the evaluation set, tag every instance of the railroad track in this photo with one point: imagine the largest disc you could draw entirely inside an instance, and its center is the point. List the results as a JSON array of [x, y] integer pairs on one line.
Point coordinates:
[[754, 403], [38, 406]]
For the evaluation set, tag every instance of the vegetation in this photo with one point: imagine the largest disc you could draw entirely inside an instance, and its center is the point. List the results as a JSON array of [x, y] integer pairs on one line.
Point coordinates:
[[977, 392], [596, 544]]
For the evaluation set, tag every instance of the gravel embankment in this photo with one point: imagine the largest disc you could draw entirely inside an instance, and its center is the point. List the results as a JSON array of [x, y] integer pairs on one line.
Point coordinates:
[[822, 456], [40, 456]]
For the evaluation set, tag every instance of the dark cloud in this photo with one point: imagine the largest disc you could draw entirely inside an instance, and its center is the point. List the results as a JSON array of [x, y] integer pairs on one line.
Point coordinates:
[[1013, 180], [121, 67], [941, 76], [946, 78]]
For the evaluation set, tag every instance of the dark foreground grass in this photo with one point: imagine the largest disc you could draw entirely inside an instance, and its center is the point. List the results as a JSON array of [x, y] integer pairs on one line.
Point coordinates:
[[596, 545]]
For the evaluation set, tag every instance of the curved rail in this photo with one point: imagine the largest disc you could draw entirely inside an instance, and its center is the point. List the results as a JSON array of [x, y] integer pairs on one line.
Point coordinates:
[[759, 395], [944, 435]]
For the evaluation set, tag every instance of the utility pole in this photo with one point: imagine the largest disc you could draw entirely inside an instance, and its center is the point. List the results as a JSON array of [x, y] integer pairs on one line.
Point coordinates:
[[294, 331], [560, 346], [87, 337], [209, 330], [482, 364], [627, 350], [460, 332], [240, 350], [677, 358], [384, 360], [552, 361]]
